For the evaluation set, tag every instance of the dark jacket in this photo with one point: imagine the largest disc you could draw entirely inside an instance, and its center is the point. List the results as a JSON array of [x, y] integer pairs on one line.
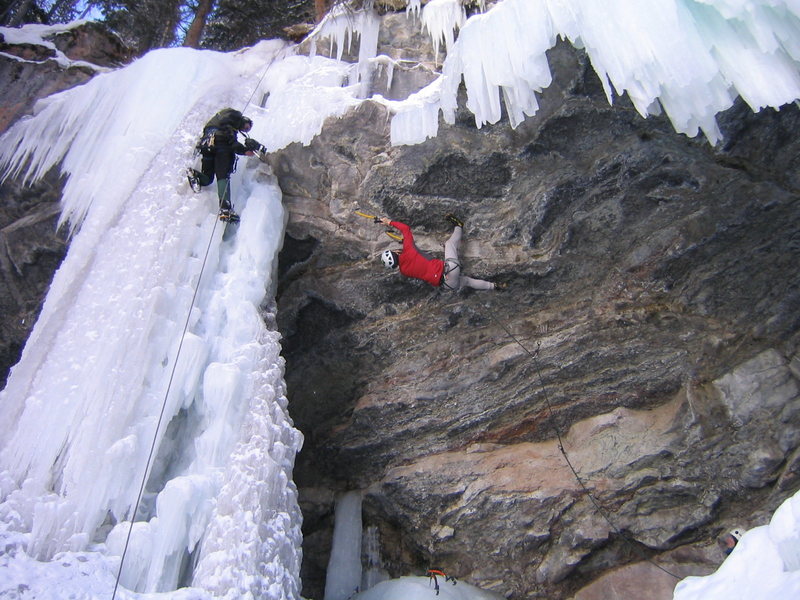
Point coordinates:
[[227, 117], [219, 134]]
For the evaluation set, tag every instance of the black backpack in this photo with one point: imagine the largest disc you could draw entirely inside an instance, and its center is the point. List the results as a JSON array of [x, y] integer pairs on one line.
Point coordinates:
[[220, 129], [227, 117]]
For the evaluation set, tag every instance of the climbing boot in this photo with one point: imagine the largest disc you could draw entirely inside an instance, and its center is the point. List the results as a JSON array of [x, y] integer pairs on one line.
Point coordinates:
[[194, 180], [227, 215], [454, 220], [500, 285]]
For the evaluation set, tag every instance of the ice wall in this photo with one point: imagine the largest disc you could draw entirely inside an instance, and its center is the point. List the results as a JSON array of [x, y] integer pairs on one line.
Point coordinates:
[[136, 352]]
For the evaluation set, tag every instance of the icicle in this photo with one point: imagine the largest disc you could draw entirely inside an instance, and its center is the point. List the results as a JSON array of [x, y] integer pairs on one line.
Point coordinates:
[[690, 59], [344, 567], [96, 369], [416, 118], [342, 24], [373, 572], [369, 24], [442, 18]]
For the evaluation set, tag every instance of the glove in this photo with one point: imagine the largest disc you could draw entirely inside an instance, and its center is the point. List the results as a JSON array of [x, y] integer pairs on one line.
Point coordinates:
[[253, 145]]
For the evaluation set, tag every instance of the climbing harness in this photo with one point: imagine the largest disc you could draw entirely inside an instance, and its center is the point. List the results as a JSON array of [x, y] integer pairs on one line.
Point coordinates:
[[630, 540], [433, 573], [449, 265]]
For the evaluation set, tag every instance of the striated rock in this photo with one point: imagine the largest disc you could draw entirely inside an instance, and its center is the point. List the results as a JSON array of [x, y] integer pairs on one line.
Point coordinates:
[[94, 43], [31, 80], [298, 31], [649, 329], [650, 580]]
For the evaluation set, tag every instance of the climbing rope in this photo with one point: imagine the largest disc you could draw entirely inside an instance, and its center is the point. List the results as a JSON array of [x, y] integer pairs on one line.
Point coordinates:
[[161, 414], [174, 366], [630, 540]]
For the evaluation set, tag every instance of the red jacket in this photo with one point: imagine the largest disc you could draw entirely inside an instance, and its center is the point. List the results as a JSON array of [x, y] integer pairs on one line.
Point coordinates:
[[413, 263]]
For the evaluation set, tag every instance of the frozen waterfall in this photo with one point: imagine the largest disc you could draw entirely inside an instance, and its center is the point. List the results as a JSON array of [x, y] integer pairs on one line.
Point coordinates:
[[153, 339], [150, 271]]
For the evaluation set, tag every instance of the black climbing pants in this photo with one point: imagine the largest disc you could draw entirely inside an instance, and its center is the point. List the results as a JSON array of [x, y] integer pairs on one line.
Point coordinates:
[[219, 163]]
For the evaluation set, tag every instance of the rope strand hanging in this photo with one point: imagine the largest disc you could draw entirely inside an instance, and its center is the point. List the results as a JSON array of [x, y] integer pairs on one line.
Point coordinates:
[[635, 544], [172, 373]]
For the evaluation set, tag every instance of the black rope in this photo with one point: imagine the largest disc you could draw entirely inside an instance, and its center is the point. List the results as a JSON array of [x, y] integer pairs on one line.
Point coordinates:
[[258, 85], [175, 364], [630, 540]]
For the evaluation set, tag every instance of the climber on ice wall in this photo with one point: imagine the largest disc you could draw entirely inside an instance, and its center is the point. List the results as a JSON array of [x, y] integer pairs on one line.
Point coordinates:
[[219, 146], [445, 273]]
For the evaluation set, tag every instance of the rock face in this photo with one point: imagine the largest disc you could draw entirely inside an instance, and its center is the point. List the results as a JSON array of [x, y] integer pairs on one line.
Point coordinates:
[[649, 329], [71, 57], [30, 247]]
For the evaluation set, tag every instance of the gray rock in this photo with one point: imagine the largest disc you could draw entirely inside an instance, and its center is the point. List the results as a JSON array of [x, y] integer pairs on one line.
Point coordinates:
[[31, 71], [653, 313]]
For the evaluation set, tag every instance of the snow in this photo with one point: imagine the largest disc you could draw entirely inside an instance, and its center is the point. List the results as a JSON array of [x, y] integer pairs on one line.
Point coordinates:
[[35, 34], [764, 565], [421, 588], [153, 335]]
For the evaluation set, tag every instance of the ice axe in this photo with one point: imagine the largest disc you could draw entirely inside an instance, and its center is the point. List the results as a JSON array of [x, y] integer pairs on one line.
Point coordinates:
[[375, 219], [257, 148]]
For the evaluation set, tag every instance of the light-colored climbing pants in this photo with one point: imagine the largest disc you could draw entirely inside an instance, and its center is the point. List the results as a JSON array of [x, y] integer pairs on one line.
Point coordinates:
[[453, 279]]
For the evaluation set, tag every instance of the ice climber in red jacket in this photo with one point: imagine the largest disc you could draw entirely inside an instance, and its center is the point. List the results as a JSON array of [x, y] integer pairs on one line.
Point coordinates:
[[445, 273]]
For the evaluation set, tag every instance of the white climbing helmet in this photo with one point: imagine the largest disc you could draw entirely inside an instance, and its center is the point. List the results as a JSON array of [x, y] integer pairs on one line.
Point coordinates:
[[388, 259]]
